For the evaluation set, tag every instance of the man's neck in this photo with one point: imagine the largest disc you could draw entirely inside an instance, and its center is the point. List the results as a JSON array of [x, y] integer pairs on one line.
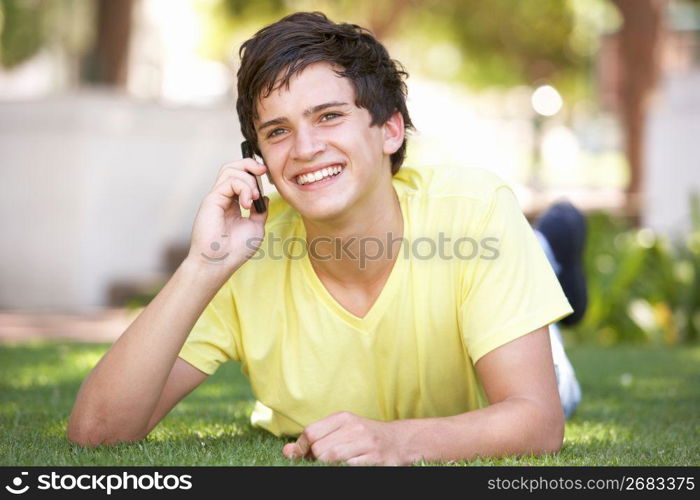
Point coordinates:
[[364, 244]]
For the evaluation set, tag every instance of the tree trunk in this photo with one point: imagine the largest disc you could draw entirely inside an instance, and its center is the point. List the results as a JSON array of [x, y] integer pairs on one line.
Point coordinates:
[[107, 62], [639, 45], [384, 17]]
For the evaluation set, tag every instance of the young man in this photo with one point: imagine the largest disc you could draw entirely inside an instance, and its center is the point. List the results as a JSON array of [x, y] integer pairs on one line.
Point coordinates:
[[382, 314]]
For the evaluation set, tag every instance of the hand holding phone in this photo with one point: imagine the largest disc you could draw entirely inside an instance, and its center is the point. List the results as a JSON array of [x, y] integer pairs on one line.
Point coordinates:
[[222, 238], [247, 152]]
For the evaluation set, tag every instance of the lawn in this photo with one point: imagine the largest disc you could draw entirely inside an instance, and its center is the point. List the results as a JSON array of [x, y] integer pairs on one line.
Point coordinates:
[[641, 407]]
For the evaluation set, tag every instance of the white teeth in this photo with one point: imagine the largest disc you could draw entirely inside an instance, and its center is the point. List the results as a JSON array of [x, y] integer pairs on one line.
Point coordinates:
[[318, 175]]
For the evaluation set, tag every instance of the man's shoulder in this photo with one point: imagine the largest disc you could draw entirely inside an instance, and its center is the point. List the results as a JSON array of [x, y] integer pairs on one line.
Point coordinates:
[[474, 183]]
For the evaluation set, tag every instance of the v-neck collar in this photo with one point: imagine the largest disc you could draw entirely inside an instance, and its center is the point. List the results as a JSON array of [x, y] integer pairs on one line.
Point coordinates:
[[389, 290]]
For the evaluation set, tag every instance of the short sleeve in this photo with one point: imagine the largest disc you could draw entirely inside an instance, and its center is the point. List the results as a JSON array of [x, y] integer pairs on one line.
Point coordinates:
[[214, 338], [511, 289]]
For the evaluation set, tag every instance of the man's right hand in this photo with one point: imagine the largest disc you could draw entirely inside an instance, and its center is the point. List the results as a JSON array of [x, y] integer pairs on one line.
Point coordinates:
[[221, 237], [139, 379]]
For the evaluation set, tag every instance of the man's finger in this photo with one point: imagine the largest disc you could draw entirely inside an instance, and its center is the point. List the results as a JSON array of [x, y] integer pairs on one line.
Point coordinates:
[[340, 446], [289, 450], [322, 428], [303, 446], [312, 433], [255, 216], [298, 449]]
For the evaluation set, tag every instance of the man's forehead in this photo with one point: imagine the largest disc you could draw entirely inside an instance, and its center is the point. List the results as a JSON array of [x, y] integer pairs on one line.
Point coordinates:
[[316, 84]]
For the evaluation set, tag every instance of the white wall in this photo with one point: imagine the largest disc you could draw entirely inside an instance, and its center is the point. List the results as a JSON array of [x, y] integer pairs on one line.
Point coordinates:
[[673, 154], [94, 186]]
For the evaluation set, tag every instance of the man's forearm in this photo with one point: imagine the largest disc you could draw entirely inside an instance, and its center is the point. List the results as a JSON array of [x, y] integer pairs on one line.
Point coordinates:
[[119, 396], [515, 426]]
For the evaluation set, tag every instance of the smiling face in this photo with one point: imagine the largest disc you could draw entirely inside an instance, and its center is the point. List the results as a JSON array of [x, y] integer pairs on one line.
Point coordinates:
[[322, 154]]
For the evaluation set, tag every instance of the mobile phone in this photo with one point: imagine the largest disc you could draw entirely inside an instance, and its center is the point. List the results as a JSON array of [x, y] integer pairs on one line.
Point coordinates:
[[247, 152]]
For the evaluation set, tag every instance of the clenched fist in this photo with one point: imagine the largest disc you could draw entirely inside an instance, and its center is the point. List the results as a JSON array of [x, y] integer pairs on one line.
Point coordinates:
[[348, 438]]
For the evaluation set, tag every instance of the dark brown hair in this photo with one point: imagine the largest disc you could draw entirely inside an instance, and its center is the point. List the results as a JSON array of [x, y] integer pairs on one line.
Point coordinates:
[[279, 51]]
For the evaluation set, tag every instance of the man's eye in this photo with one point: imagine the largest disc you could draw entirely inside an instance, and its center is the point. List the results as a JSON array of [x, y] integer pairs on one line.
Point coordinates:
[[329, 116], [275, 133]]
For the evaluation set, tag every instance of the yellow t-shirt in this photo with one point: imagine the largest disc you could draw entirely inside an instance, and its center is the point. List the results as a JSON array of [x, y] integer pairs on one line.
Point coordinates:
[[443, 307]]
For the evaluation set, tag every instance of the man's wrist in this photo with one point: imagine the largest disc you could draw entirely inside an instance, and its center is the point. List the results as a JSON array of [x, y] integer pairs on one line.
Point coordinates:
[[217, 273], [406, 435]]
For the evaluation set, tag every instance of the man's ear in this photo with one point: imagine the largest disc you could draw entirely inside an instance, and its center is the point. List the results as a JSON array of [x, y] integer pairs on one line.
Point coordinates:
[[394, 133]]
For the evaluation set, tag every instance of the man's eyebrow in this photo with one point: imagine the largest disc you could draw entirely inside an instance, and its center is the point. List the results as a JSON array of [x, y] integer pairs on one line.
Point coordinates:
[[310, 111]]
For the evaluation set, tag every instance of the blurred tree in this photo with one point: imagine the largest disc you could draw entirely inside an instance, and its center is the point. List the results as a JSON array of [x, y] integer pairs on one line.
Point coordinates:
[[379, 17], [505, 42], [28, 26], [107, 61], [21, 34], [639, 44]]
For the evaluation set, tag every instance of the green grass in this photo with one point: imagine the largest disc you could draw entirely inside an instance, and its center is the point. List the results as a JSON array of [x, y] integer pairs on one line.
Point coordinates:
[[641, 407]]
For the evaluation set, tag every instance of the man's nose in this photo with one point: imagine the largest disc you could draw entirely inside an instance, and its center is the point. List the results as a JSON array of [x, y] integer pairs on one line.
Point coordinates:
[[307, 144]]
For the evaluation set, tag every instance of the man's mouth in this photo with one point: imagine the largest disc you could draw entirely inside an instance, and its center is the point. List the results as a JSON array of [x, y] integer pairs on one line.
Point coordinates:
[[320, 176]]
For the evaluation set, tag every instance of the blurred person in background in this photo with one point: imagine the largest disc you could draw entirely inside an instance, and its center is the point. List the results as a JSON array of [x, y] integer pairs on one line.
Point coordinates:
[[363, 360]]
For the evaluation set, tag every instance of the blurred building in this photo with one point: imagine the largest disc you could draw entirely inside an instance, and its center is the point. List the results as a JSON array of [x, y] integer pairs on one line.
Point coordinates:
[[95, 190]]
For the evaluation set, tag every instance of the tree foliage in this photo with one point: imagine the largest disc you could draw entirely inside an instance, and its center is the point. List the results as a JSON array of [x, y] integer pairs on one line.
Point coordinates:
[[506, 41], [499, 42], [21, 34]]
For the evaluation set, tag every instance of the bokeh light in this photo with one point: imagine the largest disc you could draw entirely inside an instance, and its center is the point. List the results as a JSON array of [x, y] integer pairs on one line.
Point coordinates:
[[546, 100]]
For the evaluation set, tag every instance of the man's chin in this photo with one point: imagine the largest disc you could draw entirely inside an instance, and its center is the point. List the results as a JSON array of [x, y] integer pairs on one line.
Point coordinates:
[[321, 207], [322, 212]]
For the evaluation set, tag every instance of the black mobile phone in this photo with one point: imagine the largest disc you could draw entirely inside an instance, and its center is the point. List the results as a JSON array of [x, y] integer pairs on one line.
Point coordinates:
[[247, 152]]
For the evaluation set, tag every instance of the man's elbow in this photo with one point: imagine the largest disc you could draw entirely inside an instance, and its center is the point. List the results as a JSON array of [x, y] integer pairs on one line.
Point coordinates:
[[552, 445], [553, 437], [546, 426], [83, 433], [94, 433]]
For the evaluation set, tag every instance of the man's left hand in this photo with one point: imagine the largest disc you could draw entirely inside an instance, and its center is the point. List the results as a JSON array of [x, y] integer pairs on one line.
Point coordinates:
[[347, 438]]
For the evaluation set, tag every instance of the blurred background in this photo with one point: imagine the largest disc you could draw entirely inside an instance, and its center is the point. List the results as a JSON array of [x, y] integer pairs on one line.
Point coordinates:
[[115, 116]]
